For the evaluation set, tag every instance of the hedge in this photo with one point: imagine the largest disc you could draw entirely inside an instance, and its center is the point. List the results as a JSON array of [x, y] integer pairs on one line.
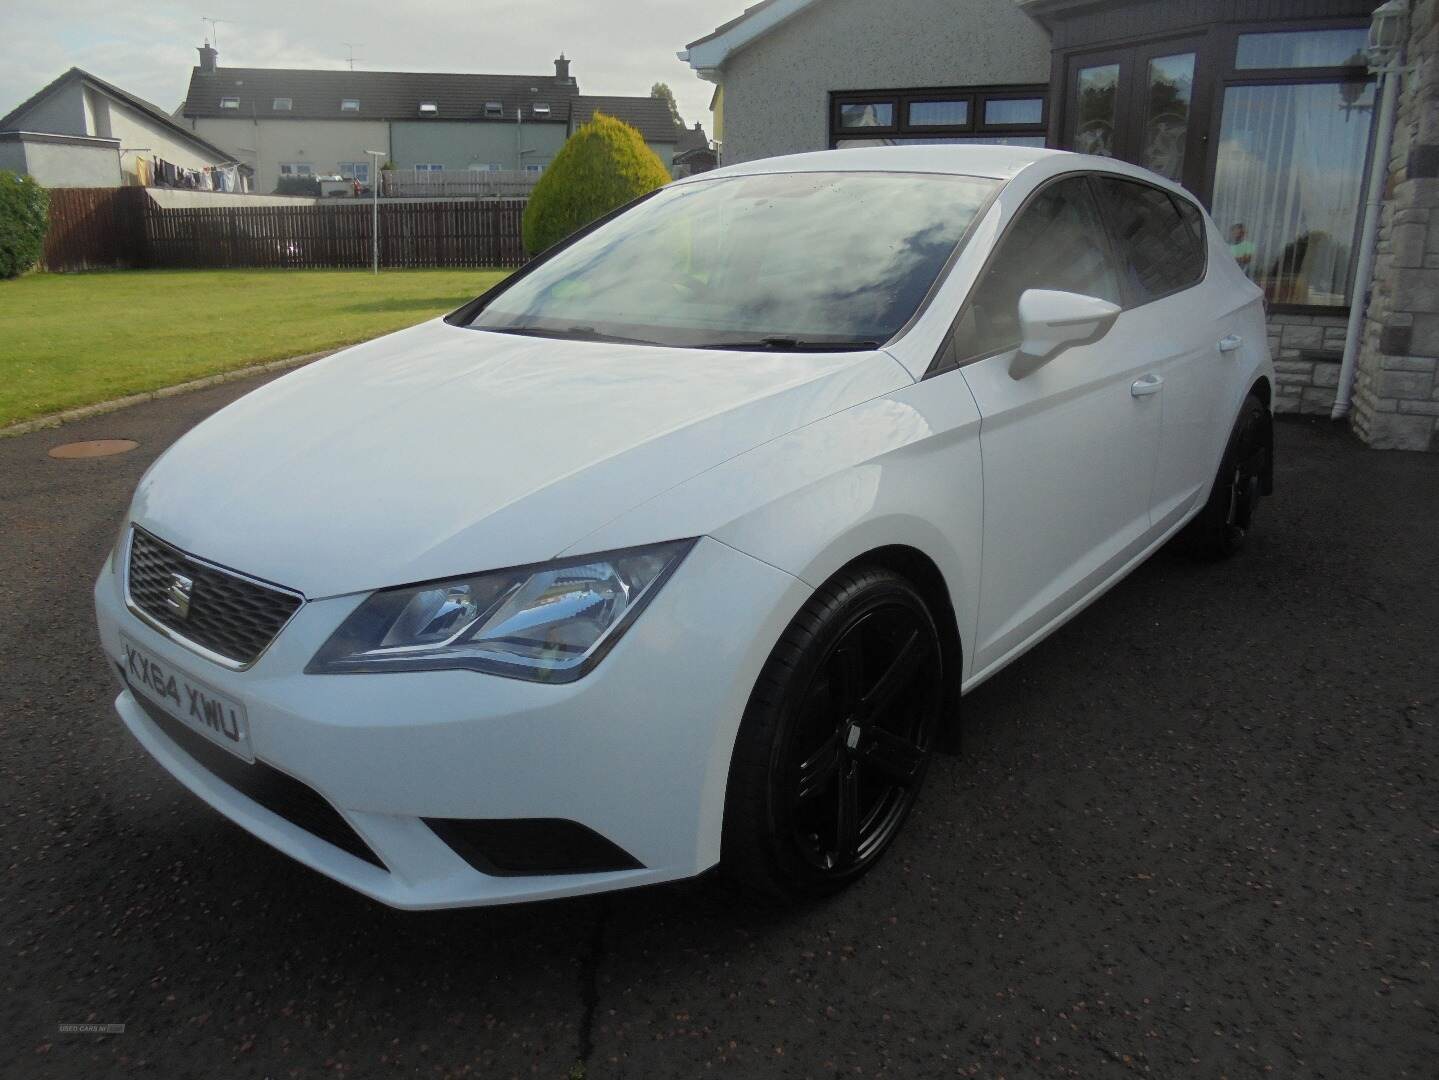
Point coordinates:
[[23, 208], [604, 164]]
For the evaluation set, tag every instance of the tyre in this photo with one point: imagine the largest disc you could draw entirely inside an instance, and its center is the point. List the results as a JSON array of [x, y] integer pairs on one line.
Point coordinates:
[[1219, 529], [836, 738]]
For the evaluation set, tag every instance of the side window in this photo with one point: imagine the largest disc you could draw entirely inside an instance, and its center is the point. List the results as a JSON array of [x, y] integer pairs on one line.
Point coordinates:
[[1056, 242], [1159, 250]]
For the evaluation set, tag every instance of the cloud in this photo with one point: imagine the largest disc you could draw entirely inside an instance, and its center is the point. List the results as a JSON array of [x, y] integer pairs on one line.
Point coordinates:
[[617, 46]]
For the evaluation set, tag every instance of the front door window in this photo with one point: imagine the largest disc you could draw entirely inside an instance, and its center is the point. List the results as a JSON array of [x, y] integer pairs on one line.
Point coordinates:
[[1169, 89], [1096, 110]]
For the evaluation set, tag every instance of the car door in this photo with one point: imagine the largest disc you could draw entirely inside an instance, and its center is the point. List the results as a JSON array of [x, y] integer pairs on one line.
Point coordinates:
[[1068, 449], [1160, 243]]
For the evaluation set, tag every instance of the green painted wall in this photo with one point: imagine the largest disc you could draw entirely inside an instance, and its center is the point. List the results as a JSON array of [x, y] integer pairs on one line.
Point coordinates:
[[458, 144]]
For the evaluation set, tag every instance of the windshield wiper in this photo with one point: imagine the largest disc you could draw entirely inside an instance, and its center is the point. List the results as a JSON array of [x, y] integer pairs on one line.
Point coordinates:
[[570, 333], [789, 344]]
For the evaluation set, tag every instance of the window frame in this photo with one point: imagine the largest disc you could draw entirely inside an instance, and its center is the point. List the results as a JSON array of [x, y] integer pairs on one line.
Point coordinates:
[[427, 167], [291, 168], [349, 104], [355, 167], [288, 106], [975, 97], [1216, 50], [229, 101]]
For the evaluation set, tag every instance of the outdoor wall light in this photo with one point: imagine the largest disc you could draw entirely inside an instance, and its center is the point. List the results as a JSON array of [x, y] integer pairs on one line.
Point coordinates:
[[1388, 31]]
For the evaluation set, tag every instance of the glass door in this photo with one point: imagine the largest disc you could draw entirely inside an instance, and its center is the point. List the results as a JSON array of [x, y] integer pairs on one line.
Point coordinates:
[[1141, 104]]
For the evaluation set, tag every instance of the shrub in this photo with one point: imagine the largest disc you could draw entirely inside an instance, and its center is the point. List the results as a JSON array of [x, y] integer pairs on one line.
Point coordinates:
[[604, 164], [297, 185], [23, 206]]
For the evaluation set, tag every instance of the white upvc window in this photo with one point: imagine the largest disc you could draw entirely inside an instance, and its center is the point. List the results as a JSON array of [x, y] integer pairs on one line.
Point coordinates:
[[534, 168], [540, 108], [229, 103], [282, 104], [429, 167], [296, 168], [429, 108], [350, 104], [356, 170]]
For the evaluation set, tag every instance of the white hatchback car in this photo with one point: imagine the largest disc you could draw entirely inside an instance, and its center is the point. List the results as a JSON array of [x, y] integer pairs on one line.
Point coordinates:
[[679, 546]]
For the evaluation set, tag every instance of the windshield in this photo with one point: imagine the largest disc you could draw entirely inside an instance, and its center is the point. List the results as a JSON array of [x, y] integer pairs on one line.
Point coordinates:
[[784, 261]]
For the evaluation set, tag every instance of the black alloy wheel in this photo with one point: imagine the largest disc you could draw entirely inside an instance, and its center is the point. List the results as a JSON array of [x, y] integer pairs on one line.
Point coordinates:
[[837, 738], [1219, 529]]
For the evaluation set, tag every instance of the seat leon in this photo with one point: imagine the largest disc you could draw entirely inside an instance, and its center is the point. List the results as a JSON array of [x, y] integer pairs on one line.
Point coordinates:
[[679, 547]]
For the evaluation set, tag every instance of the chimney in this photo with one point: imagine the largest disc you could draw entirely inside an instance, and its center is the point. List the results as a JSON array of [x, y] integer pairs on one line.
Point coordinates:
[[208, 56], [562, 69]]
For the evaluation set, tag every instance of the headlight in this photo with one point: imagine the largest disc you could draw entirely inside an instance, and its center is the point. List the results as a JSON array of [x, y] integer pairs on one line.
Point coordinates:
[[546, 623]]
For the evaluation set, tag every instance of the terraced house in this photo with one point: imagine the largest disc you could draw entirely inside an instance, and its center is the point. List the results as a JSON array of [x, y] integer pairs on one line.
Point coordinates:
[[1286, 117], [288, 122]]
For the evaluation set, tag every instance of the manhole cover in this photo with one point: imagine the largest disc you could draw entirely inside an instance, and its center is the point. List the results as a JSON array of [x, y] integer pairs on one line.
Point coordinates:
[[93, 448]]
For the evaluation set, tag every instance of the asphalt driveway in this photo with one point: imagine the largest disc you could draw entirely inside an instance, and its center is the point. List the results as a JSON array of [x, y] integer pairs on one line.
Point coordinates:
[[1195, 833]]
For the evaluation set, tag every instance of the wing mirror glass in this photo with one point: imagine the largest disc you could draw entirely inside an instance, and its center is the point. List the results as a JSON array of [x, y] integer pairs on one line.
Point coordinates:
[[1051, 321]]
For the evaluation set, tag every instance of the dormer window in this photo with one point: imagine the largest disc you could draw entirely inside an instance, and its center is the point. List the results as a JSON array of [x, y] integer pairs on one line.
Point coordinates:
[[493, 108], [282, 104], [429, 108], [540, 108], [229, 103], [350, 105]]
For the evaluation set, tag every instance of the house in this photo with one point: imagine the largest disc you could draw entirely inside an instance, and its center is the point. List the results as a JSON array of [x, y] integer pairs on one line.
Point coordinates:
[[289, 122], [693, 153], [649, 115], [81, 131], [1265, 109]]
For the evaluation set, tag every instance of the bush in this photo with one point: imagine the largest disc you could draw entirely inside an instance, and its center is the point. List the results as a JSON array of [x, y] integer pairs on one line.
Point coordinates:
[[604, 164], [23, 207], [297, 185]]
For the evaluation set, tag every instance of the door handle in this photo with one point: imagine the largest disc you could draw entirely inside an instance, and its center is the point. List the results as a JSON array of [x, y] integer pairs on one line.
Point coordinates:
[[1146, 385], [1230, 342]]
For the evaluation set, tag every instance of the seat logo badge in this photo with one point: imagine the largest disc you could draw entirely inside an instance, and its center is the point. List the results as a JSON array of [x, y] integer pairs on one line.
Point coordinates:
[[177, 596]]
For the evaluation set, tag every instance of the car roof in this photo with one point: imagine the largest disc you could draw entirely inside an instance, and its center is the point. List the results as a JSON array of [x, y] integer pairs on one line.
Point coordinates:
[[983, 160]]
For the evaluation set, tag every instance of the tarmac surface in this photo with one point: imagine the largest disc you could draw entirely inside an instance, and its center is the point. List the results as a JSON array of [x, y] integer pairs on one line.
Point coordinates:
[[1194, 833]]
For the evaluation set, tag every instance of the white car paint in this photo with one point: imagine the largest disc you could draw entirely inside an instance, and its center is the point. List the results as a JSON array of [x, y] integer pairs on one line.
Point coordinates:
[[440, 451]]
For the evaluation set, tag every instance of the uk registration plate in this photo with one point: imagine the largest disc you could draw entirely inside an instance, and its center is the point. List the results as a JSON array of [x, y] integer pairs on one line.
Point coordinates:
[[198, 706]]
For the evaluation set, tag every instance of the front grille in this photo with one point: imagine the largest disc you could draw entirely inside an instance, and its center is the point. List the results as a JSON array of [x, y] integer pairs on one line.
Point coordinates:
[[228, 614], [279, 793]]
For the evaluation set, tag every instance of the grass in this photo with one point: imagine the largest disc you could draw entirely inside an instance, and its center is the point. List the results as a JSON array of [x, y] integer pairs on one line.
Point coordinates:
[[74, 339]]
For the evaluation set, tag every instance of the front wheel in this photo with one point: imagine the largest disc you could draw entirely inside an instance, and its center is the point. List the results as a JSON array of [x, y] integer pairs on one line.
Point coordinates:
[[836, 738], [1219, 529]]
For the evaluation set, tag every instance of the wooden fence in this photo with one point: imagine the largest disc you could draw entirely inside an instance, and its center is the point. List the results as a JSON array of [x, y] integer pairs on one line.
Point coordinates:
[[123, 227], [95, 228]]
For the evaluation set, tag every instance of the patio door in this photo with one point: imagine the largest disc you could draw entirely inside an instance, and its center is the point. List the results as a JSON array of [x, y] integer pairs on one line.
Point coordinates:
[[1147, 104]]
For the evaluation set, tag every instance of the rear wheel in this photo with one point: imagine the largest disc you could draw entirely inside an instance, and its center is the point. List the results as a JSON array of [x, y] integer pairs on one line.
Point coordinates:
[[836, 738], [1219, 529]]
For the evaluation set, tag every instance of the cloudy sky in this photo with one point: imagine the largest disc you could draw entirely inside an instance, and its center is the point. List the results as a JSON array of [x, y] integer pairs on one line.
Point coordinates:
[[148, 48]]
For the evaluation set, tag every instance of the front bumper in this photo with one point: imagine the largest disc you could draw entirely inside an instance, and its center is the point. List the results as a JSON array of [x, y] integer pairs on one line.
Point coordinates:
[[637, 751]]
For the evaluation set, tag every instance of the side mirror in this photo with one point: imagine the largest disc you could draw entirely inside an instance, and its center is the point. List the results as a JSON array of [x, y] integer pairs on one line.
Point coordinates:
[[1051, 321]]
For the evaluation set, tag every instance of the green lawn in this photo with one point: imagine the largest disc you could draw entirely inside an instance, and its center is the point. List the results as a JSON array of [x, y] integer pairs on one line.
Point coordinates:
[[73, 339]]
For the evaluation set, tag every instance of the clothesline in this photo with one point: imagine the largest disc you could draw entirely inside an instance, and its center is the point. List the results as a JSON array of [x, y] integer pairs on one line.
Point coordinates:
[[157, 172]]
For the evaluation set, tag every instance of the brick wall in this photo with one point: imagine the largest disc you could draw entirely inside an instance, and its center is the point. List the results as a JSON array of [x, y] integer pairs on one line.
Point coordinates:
[[1396, 386]]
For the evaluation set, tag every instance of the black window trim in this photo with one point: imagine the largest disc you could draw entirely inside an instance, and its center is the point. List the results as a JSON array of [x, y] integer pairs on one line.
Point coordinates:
[[901, 98], [944, 361]]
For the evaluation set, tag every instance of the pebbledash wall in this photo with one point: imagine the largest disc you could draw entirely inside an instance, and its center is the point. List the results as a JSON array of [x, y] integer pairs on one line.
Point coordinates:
[[1396, 388]]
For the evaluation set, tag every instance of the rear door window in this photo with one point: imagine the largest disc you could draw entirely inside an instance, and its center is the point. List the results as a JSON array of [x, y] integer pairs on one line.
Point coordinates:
[[1160, 249]]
